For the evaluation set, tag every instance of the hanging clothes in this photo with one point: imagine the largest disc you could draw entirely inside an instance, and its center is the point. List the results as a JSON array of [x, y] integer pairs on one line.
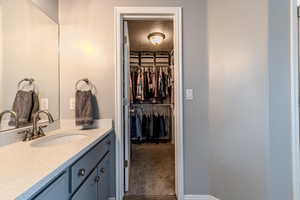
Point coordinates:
[[148, 84], [150, 127], [133, 126], [151, 82], [140, 86]]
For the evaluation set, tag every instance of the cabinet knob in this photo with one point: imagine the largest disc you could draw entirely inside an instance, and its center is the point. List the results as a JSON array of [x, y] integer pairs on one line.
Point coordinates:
[[81, 172], [102, 170], [108, 142], [97, 179]]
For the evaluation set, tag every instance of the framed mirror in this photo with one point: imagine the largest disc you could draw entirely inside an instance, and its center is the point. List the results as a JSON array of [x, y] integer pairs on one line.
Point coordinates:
[[29, 62]]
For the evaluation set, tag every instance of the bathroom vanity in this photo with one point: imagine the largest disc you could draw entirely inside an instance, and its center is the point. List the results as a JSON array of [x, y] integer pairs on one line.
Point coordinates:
[[65, 164]]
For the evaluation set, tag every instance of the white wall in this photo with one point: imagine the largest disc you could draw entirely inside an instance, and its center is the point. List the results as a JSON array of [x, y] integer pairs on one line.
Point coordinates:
[[238, 77], [87, 50], [249, 78]]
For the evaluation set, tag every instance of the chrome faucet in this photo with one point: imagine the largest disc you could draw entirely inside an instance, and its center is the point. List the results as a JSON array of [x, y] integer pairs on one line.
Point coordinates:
[[37, 131], [12, 113]]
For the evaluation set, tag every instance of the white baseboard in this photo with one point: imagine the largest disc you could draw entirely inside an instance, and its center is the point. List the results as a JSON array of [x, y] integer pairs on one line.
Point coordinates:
[[199, 197]]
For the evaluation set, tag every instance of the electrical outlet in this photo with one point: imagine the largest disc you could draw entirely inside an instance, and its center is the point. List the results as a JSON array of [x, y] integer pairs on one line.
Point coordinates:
[[44, 104], [72, 103], [189, 94]]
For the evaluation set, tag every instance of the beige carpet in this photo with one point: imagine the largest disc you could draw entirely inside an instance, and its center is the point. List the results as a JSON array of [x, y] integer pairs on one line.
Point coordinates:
[[152, 173]]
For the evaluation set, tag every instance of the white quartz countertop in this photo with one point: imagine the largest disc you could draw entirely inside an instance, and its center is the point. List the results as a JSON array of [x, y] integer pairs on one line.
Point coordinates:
[[25, 169]]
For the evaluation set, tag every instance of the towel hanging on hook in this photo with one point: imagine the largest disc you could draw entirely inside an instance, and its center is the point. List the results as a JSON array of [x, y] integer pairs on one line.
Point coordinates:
[[85, 103], [26, 103]]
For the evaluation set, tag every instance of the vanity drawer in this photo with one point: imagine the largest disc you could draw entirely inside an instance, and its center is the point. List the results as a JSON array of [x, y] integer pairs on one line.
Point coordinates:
[[83, 167]]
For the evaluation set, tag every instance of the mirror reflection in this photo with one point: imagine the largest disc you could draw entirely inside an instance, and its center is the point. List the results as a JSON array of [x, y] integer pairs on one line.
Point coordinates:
[[29, 70]]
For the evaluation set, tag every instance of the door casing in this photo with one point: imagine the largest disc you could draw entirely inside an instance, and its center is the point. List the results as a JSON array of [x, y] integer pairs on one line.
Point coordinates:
[[126, 106], [142, 13], [294, 92]]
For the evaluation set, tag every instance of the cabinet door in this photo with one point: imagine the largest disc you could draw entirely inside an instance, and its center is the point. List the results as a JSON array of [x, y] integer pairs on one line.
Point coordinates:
[[57, 190], [84, 166], [88, 191], [103, 172]]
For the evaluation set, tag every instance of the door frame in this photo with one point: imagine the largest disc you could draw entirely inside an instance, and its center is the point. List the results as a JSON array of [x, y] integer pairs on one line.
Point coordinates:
[[121, 13], [294, 71]]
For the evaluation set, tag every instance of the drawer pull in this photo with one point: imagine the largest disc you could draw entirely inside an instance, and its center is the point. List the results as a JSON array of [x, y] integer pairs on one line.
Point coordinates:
[[97, 179], [102, 170], [108, 142], [81, 172]]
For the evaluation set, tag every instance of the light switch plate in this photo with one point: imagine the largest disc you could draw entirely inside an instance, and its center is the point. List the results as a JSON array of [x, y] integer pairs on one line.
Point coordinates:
[[44, 104], [189, 94], [72, 103]]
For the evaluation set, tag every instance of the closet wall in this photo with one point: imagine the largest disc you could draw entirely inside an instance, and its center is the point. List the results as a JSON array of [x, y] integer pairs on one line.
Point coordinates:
[[87, 50]]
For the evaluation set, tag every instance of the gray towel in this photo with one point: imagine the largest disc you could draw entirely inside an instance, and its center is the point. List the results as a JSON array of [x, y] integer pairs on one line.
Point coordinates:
[[35, 106], [26, 104], [84, 108]]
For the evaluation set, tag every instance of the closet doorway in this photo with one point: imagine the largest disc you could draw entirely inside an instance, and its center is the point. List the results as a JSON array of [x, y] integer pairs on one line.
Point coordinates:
[[149, 116], [149, 104]]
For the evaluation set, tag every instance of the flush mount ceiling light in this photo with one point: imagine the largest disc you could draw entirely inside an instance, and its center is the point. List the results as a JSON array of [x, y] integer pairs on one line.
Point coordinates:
[[156, 38]]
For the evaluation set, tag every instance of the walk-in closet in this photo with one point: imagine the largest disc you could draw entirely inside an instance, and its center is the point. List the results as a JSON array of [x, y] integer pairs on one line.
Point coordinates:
[[150, 78]]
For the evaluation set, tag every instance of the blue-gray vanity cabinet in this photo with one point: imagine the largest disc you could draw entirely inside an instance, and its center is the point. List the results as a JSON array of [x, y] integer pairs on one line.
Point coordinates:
[[103, 174], [96, 187], [58, 189], [88, 191], [88, 178], [82, 168]]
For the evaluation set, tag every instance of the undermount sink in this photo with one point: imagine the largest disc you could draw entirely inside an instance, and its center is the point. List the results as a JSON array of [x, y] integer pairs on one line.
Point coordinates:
[[57, 139]]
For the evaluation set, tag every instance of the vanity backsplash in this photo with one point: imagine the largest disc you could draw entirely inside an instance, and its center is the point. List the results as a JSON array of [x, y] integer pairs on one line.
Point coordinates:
[[12, 136]]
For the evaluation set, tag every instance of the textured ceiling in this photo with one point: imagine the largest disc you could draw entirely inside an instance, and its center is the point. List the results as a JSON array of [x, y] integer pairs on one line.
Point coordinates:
[[139, 31]]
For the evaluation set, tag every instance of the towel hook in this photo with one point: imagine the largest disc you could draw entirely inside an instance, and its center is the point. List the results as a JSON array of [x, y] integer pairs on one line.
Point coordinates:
[[86, 81], [29, 80]]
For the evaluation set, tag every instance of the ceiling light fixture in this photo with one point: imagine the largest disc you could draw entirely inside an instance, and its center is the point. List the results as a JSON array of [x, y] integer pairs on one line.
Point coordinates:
[[156, 38]]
